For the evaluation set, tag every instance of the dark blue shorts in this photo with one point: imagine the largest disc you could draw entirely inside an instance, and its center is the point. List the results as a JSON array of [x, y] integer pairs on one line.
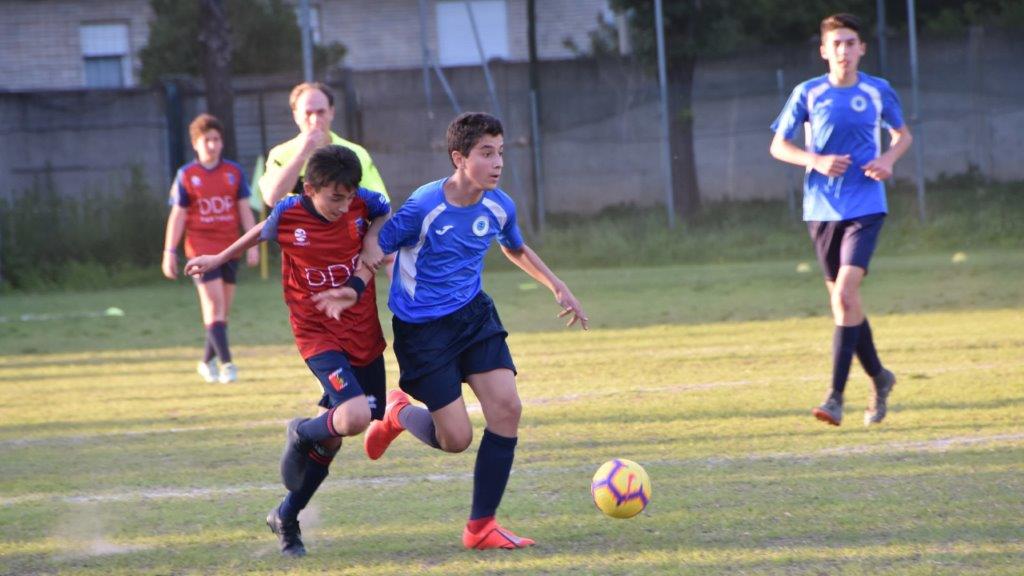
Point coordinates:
[[436, 357], [342, 381], [228, 271], [845, 242]]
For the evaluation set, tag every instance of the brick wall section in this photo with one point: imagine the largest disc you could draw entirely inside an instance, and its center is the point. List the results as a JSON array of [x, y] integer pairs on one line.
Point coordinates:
[[40, 46]]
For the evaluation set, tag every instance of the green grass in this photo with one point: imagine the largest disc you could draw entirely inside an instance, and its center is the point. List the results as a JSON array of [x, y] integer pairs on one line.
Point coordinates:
[[115, 459]]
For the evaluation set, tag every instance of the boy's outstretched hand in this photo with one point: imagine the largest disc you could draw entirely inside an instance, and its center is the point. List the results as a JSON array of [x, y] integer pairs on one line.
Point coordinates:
[[335, 301], [201, 265], [571, 307]]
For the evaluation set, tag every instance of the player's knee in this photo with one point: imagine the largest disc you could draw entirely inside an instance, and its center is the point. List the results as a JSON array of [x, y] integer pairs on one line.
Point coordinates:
[[508, 411], [845, 300], [456, 443], [352, 422]]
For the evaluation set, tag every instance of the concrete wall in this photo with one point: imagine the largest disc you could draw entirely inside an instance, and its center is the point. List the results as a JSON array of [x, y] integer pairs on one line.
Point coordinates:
[[600, 139]]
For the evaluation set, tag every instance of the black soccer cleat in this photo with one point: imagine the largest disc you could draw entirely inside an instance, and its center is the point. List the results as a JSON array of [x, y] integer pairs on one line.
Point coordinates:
[[295, 457], [289, 535]]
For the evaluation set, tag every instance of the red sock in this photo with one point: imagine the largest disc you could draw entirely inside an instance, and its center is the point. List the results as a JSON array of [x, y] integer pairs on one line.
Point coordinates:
[[476, 524]]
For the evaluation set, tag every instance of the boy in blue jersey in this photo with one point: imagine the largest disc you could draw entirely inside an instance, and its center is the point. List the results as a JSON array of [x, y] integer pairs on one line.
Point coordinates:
[[446, 329], [844, 197]]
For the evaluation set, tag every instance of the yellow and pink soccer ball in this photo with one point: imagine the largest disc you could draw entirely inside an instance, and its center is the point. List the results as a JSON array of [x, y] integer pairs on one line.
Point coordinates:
[[621, 488]]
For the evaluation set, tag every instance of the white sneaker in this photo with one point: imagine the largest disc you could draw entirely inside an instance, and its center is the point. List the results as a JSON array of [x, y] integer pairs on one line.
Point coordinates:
[[228, 373], [208, 370]]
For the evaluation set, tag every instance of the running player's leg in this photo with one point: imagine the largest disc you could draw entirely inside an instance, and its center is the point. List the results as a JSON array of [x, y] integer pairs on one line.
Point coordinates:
[[491, 374]]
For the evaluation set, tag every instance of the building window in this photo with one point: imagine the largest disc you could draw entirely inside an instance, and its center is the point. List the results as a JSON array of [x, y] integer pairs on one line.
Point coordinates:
[[456, 45], [105, 55]]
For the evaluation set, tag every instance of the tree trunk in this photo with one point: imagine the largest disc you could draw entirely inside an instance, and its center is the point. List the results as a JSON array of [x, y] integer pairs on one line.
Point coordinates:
[[216, 62], [685, 191]]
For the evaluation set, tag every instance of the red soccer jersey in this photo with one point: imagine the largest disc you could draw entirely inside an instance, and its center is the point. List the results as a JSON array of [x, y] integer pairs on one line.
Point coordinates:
[[210, 198], [318, 255]]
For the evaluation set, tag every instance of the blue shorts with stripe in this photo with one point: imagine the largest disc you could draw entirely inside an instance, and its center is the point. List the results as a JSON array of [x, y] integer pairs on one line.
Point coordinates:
[[845, 242], [437, 356]]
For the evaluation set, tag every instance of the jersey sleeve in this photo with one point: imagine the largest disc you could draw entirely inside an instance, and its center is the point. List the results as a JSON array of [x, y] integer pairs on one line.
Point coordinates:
[[892, 112], [243, 185], [793, 114], [377, 203], [403, 228], [269, 231], [179, 195], [510, 237]]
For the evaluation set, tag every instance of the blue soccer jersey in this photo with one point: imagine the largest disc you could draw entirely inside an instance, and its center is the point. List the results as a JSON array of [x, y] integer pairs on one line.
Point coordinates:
[[842, 120], [441, 249]]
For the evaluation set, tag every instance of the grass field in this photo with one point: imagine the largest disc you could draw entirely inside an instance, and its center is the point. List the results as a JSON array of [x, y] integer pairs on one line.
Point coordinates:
[[115, 459]]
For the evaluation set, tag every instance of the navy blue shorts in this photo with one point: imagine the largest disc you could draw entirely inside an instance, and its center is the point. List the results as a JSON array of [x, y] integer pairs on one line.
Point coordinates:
[[436, 357], [845, 242], [228, 271], [342, 381]]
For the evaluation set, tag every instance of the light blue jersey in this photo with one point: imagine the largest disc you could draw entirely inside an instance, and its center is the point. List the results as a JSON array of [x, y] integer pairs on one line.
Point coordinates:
[[441, 249], [842, 121]]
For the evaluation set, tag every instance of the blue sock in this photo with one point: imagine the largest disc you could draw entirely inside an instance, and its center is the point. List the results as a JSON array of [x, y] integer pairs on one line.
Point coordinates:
[[866, 352], [493, 466], [844, 343], [209, 352], [316, 471], [319, 428], [218, 334]]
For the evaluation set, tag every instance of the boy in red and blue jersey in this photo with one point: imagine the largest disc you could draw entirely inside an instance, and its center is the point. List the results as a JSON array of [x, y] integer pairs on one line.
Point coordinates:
[[843, 113], [328, 246], [208, 203]]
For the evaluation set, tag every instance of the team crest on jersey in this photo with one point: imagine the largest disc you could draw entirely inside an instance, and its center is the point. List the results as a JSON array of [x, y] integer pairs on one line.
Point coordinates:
[[481, 225], [196, 181], [301, 238], [231, 179], [859, 103]]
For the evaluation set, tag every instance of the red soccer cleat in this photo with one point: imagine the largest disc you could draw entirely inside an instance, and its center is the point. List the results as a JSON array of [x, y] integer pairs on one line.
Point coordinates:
[[382, 433], [492, 535]]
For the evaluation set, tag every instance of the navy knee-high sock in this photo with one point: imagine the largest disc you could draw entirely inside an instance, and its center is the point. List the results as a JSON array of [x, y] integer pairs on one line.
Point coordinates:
[[209, 352], [866, 352], [844, 343], [316, 472], [319, 428], [493, 466], [218, 334], [419, 423]]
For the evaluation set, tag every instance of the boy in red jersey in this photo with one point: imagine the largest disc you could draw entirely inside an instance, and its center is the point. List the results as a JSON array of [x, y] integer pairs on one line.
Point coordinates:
[[322, 234], [207, 205]]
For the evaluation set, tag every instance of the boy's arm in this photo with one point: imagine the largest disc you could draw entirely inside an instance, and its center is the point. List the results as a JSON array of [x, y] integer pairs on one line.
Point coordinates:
[[172, 237], [334, 301], [881, 168], [372, 255], [528, 260], [202, 264], [276, 183], [252, 255], [828, 164]]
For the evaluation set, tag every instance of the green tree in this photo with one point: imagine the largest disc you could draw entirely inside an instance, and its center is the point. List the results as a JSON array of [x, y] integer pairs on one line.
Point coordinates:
[[264, 38]]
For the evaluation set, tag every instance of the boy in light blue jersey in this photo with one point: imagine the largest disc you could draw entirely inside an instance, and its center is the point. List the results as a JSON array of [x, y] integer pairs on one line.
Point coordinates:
[[446, 329], [844, 113]]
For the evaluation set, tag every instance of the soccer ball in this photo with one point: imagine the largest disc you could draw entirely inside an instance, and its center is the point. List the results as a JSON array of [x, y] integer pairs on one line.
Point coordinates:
[[621, 488]]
